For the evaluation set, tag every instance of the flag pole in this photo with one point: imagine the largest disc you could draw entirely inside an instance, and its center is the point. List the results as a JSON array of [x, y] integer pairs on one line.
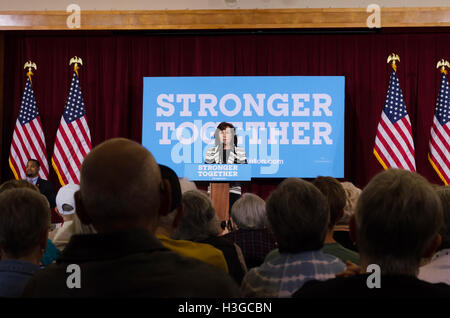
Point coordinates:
[[442, 64], [392, 58], [30, 144], [65, 172], [30, 65]]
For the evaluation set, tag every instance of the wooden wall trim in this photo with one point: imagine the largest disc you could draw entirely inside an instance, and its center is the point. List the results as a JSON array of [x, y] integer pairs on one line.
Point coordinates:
[[226, 19]]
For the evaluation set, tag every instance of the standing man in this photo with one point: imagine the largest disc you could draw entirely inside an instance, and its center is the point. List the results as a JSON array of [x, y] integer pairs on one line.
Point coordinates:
[[44, 186]]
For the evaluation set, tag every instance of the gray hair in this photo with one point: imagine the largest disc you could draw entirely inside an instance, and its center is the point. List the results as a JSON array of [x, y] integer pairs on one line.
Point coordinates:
[[398, 214], [167, 221], [444, 195], [249, 212], [24, 219], [352, 193], [187, 185], [199, 220], [298, 214]]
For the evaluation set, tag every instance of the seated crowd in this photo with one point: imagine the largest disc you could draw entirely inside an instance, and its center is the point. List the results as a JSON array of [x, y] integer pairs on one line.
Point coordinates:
[[134, 229]]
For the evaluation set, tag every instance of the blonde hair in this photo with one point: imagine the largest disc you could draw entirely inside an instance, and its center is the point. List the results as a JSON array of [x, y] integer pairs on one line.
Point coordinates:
[[352, 194], [80, 228], [187, 185]]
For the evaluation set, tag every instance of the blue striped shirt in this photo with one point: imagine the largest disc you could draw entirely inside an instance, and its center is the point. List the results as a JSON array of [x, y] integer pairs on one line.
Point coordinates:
[[284, 274]]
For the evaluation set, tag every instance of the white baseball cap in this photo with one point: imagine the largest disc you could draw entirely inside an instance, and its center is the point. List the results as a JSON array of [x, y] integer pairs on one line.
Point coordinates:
[[65, 201]]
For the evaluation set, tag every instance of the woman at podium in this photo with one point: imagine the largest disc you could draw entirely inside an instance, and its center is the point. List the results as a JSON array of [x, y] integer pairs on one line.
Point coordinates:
[[226, 149]]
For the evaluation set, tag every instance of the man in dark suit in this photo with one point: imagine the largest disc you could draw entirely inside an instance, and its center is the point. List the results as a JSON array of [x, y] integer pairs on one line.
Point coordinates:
[[45, 187]]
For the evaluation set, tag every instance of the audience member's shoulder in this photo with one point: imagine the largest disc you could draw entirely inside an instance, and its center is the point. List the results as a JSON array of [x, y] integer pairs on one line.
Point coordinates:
[[202, 251], [205, 279], [321, 289], [435, 289], [162, 273], [218, 241], [332, 260], [328, 257], [357, 287]]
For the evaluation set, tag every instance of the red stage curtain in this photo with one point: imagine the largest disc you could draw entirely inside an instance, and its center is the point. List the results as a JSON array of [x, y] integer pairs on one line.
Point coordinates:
[[114, 64]]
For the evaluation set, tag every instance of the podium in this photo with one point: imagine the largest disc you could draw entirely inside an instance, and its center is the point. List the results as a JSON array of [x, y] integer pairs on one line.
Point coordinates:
[[220, 197], [219, 175]]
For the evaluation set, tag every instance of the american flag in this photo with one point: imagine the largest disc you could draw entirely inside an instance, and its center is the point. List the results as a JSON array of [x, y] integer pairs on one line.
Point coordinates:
[[28, 140], [439, 154], [394, 146], [73, 139]]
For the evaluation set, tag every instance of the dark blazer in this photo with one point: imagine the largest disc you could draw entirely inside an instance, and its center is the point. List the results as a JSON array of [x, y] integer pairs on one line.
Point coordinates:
[[254, 243], [229, 251], [47, 189]]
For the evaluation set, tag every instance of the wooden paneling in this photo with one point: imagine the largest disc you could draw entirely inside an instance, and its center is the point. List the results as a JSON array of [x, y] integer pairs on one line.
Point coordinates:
[[225, 19]]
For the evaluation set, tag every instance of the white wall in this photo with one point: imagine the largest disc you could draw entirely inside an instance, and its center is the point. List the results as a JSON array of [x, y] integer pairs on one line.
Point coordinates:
[[60, 5]]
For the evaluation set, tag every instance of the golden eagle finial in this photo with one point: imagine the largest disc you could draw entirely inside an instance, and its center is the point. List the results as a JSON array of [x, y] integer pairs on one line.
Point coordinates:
[[393, 58], [442, 64], [76, 60], [30, 66]]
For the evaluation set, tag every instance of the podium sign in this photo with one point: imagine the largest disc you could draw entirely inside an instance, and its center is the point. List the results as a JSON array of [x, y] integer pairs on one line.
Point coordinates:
[[219, 175], [217, 172]]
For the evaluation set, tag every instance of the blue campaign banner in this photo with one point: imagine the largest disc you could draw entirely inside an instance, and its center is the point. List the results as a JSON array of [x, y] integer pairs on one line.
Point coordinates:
[[217, 172], [287, 126]]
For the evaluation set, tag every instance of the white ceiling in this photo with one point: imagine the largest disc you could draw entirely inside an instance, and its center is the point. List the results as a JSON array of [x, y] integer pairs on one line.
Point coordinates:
[[61, 5]]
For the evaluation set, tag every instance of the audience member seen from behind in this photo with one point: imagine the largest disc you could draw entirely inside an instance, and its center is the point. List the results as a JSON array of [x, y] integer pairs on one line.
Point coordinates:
[[122, 195], [250, 233], [14, 184], [438, 269], [336, 198], [396, 224], [168, 223], [298, 216], [199, 223], [51, 252], [24, 224], [341, 230], [65, 206]]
